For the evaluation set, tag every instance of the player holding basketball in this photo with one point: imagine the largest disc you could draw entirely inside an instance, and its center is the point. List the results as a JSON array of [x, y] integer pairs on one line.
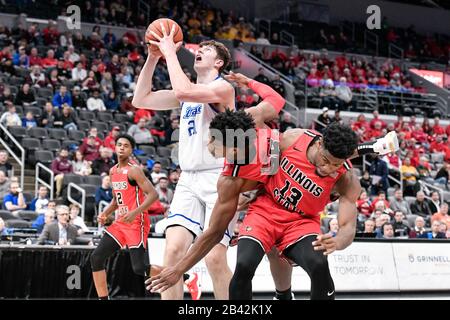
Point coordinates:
[[196, 191], [133, 193], [257, 231]]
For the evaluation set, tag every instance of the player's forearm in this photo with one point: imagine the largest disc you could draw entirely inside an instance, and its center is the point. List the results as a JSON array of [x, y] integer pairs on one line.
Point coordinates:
[[268, 94], [144, 83], [180, 82], [110, 208], [347, 227], [151, 197]]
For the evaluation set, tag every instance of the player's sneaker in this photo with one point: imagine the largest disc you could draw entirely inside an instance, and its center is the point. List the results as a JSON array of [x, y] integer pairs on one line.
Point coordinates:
[[292, 294], [387, 144], [194, 286]]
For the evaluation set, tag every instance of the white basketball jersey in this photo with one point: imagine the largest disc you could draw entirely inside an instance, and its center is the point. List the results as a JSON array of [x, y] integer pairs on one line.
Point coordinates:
[[193, 140]]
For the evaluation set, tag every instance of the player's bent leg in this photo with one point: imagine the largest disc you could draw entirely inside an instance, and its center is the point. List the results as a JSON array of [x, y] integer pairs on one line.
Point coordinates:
[[105, 249], [249, 255], [140, 261], [315, 264], [282, 275], [220, 272], [178, 241]]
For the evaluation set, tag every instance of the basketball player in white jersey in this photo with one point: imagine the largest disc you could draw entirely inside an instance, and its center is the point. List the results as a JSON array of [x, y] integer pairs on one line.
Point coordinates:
[[196, 191]]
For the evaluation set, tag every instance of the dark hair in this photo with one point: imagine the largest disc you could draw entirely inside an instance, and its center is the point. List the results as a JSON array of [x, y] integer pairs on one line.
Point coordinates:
[[222, 52], [386, 224], [340, 140], [128, 137], [231, 120], [156, 162]]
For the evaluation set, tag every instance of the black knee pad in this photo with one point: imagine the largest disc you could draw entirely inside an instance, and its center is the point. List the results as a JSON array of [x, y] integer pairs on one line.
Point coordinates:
[[97, 261]]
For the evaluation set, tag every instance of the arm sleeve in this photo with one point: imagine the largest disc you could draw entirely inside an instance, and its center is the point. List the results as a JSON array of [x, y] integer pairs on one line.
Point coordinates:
[[267, 94]]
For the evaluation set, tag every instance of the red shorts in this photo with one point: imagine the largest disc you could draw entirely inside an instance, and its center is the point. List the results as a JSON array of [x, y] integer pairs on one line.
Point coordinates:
[[132, 234], [271, 225]]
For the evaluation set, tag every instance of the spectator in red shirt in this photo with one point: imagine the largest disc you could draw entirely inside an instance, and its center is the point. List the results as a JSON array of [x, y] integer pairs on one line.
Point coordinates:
[[313, 78], [399, 123], [412, 122], [89, 149], [376, 132], [60, 166], [110, 141], [437, 129], [438, 145], [419, 135], [361, 122], [364, 204], [34, 58], [49, 61], [394, 160], [376, 119], [427, 127], [94, 132], [381, 197], [142, 113]]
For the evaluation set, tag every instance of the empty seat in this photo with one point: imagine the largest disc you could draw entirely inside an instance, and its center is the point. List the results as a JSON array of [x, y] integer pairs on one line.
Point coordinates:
[[93, 180], [86, 115], [18, 132], [59, 134], [101, 127], [44, 156], [18, 223], [412, 219], [45, 93], [40, 133], [7, 215], [121, 118], [83, 125], [148, 150], [143, 159], [31, 143], [51, 144], [165, 162], [37, 112], [77, 135], [410, 200], [164, 152], [74, 178], [105, 116], [28, 215]]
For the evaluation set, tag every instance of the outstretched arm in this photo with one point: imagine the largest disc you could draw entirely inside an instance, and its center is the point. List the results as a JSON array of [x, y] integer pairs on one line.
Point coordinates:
[[144, 97], [266, 110], [223, 212]]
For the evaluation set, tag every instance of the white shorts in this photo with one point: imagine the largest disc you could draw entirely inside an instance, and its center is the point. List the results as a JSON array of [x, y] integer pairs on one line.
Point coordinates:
[[193, 202]]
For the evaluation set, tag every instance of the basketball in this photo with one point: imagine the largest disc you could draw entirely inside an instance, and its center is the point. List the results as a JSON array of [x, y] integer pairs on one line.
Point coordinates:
[[155, 26]]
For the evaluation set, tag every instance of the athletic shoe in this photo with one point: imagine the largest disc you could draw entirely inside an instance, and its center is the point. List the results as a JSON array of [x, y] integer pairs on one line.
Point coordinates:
[[194, 286], [387, 144], [293, 297]]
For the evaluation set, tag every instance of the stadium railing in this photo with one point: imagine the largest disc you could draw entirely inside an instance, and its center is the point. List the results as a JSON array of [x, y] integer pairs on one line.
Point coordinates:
[[20, 159]]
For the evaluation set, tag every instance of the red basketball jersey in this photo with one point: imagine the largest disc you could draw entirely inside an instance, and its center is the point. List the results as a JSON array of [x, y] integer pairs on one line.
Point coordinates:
[[265, 161], [127, 193], [296, 186]]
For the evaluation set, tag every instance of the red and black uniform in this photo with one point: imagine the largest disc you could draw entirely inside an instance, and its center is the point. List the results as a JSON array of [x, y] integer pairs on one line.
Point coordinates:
[[265, 161], [128, 197], [294, 198]]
